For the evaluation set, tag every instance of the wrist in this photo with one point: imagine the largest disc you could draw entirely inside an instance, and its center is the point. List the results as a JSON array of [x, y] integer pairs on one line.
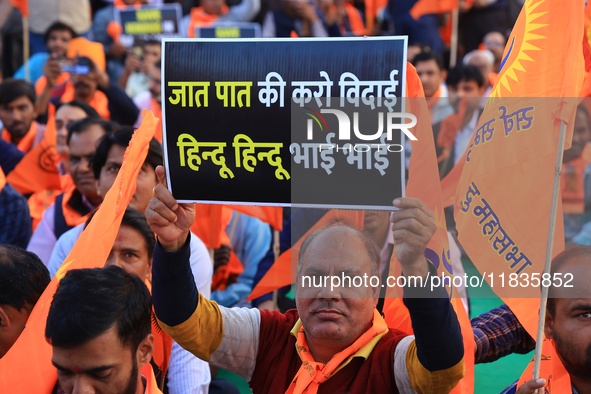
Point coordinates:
[[419, 267], [173, 245]]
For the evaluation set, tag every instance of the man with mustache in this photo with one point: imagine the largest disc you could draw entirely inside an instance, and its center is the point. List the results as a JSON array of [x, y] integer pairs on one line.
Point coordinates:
[[72, 207], [17, 113], [335, 341], [568, 323]]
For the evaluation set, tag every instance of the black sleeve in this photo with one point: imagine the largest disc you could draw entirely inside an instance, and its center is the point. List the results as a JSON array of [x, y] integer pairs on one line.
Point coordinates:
[[174, 292], [122, 108], [10, 156], [436, 328]]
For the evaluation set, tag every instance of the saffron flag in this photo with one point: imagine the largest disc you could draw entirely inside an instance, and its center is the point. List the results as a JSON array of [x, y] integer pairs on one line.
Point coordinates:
[[30, 356], [509, 167], [22, 6], [423, 183], [37, 171], [586, 88], [557, 379], [423, 7], [270, 215], [283, 271], [210, 224]]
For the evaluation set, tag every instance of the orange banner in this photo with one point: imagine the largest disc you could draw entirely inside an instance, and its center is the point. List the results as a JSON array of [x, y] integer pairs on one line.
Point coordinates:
[[30, 356], [423, 183], [504, 195], [210, 224]]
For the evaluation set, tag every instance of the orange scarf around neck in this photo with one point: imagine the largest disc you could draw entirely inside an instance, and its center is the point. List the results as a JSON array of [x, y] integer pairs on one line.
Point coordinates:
[[26, 143], [312, 374]]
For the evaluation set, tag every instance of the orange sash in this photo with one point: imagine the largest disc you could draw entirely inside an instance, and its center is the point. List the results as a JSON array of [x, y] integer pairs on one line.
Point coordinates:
[[60, 84], [162, 344], [26, 143], [99, 101], [312, 374], [72, 217], [200, 18], [151, 386]]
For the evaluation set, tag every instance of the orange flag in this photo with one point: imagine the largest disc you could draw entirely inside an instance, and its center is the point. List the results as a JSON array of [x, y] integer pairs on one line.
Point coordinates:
[[37, 171], [151, 385], [270, 215], [509, 168], [283, 271], [586, 88], [22, 6], [505, 191], [27, 365], [558, 380], [210, 224], [423, 183], [423, 7]]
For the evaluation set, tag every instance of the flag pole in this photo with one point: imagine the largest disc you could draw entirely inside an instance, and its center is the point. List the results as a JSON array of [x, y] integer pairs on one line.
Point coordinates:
[[453, 48], [549, 245], [276, 250], [26, 48]]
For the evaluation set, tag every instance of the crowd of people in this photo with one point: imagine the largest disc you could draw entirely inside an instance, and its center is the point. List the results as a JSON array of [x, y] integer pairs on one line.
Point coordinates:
[[162, 288]]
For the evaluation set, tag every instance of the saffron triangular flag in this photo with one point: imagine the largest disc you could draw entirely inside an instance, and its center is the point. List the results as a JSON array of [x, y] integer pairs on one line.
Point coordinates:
[[22, 6], [509, 167], [30, 356], [423, 183]]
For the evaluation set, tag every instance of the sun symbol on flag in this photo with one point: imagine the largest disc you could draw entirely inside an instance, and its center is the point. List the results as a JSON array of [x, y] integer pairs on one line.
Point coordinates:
[[521, 45]]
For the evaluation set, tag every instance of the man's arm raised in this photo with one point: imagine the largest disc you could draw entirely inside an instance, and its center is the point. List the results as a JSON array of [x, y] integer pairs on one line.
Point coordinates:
[[434, 359], [227, 338], [169, 220]]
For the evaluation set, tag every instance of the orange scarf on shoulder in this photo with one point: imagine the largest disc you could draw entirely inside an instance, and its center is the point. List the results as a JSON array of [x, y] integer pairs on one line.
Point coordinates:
[[99, 101], [26, 143], [312, 374]]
